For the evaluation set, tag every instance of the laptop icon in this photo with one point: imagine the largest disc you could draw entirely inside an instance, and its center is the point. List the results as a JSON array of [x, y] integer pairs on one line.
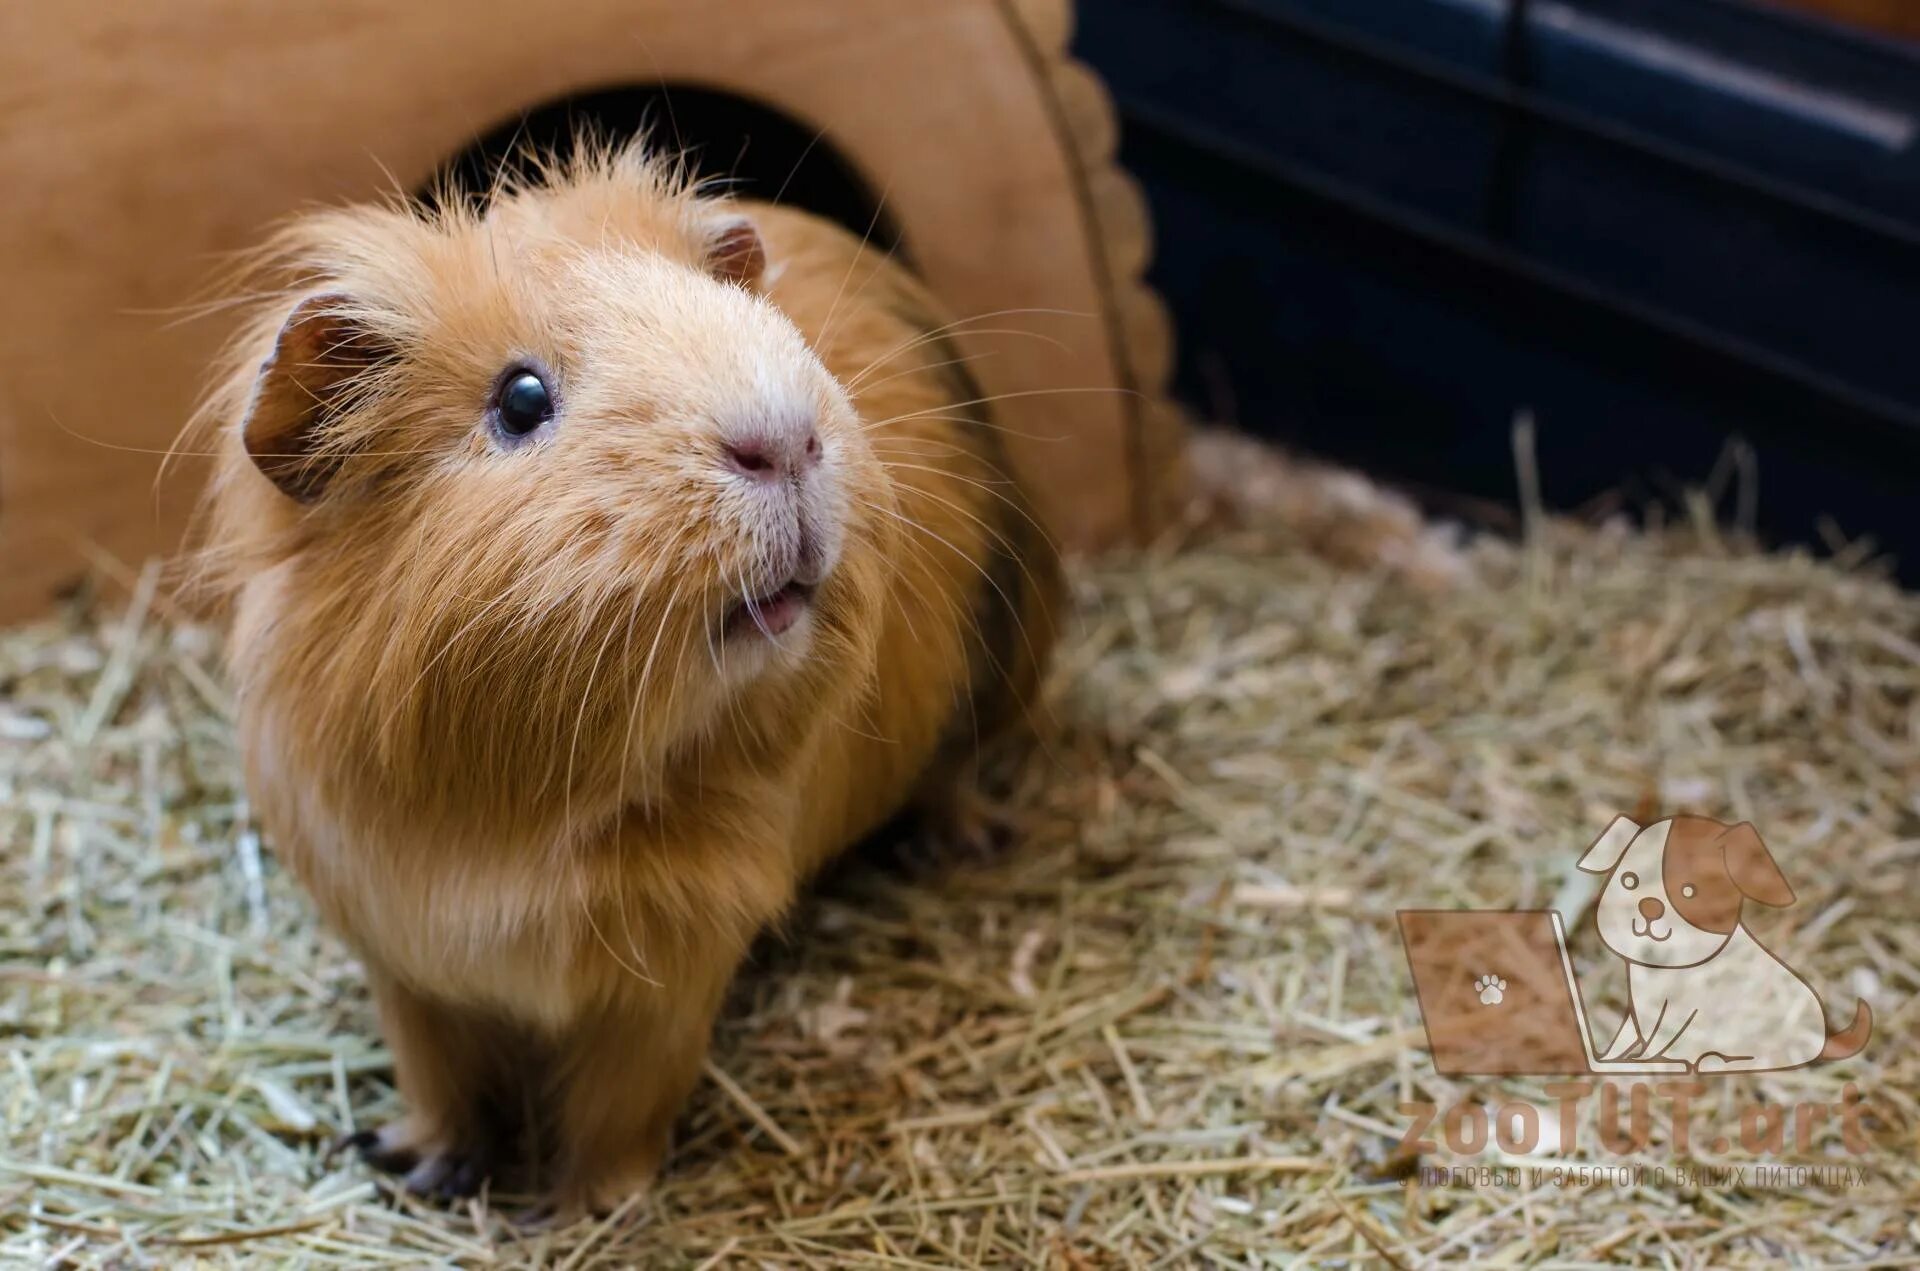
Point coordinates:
[[1499, 997]]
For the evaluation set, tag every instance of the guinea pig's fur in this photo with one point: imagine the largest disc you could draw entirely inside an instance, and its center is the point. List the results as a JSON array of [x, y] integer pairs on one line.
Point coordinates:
[[502, 704]]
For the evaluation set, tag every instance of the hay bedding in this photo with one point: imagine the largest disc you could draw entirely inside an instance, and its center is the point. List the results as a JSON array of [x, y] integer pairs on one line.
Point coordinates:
[[1172, 1029]]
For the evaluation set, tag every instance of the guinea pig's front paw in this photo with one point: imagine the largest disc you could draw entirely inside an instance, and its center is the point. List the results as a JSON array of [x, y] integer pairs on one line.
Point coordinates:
[[425, 1168], [595, 1190], [604, 1195], [389, 1148], [962, 827], [449, 1175]]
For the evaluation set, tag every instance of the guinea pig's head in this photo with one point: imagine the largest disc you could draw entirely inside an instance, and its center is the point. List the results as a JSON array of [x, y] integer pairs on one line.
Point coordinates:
[[534, 500]]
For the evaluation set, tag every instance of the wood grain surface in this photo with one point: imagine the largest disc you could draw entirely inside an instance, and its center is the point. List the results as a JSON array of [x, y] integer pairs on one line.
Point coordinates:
[[144, 141]]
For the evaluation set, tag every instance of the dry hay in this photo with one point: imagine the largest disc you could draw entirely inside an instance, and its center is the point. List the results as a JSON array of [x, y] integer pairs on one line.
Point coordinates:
[[1174, 1028]]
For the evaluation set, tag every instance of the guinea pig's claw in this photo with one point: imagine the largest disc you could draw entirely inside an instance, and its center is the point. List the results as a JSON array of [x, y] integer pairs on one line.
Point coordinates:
[[383, 1149], [434, 1175], [545, 1216], [354, 1139], [372, 1148], [446, 1176], [971, 827], [988, 829]]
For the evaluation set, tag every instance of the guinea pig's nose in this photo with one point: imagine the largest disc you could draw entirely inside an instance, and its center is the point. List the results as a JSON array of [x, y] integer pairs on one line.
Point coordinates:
[[771, 456], [1651, 909]]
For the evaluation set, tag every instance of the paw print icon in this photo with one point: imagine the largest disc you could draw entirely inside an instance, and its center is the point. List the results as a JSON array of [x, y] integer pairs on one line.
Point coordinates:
[[1492, 989]]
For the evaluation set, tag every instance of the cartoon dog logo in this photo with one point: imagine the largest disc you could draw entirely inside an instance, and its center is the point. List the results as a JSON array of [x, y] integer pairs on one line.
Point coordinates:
[[1499, 995], [1702, 989]]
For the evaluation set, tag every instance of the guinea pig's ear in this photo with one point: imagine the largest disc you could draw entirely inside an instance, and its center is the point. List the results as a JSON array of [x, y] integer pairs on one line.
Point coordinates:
[[734, 250], [319, 350], [1610, 846], [1752, 867]]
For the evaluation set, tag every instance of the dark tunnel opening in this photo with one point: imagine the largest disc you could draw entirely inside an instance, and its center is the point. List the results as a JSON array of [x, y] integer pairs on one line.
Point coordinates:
[[755, 150]]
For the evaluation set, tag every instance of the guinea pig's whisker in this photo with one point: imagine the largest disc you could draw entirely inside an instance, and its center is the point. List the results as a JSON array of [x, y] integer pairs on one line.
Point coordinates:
[[985, 487], [922, 552], [412, 688], [960, 325], [996, 485], [971, 620], [999, 539], [860, 384], [626, 728], [759, 620], [175, 452], [840, 721], [854, 390], [999, 397], [970, 421], [581, 900], [824, 346], [736, 717], [713, 654], [181, 315], [579, 722], [522, 589], [637, 968], [794, 171], [854, 262], [626, 723], [1013, 609], [911, 444]]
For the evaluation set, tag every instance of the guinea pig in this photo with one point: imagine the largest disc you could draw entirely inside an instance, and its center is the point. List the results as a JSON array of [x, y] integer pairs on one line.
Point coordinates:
[[602, 560]]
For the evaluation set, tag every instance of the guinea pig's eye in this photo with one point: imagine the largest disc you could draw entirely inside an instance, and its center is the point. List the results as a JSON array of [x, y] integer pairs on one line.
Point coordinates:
[[1687, 891], [523, 403], [1629, 880]]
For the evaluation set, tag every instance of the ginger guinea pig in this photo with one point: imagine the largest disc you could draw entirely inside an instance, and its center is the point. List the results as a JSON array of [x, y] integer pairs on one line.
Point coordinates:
[[601, 562]]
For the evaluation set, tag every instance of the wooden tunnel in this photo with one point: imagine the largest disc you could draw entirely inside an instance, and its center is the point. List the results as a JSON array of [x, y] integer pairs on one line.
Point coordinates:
[[145, 141]]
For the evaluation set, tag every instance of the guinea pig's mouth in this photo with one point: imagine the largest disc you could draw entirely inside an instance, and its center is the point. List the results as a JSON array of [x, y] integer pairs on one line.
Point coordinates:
[[772, 614]]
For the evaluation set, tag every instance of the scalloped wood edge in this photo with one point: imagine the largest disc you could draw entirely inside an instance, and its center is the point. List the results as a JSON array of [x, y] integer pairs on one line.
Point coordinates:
[[1120, 234]]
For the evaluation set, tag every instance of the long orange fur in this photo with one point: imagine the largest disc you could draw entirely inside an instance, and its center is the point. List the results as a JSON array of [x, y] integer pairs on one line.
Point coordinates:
[[488, 714]]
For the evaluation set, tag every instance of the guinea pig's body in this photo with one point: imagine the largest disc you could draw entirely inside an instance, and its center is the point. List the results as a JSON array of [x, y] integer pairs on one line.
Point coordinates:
[[601, 565]]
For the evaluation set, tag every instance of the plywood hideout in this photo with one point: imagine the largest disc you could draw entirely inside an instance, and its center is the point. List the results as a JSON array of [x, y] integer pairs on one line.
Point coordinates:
[[145, 141]]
